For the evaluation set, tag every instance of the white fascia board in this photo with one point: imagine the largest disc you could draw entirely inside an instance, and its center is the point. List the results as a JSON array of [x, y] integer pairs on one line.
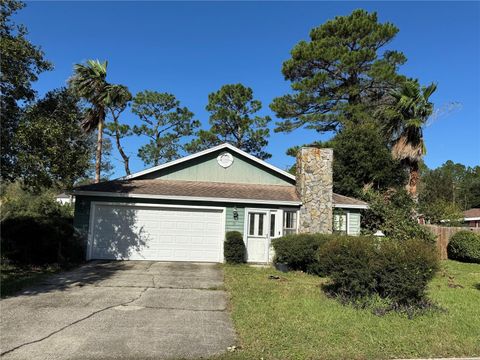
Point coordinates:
[[186, 198], [350, 206], [205, 152], [471, 218]]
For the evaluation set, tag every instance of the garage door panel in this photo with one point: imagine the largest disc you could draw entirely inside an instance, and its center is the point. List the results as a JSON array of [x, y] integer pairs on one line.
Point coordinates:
[[145, 233]]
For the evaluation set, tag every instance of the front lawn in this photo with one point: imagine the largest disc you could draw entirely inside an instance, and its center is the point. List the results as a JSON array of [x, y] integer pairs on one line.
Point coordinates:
[[291, 318], [14, 278]]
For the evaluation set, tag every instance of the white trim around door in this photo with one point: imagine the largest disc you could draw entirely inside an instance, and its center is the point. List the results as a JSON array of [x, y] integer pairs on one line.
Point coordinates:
[[258, 232]]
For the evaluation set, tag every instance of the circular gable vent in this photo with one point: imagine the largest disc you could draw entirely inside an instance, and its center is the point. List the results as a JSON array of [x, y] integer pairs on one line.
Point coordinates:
[[225, 159]]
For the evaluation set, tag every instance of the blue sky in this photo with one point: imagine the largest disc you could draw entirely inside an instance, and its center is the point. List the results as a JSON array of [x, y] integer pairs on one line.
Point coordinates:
[[192, 49]]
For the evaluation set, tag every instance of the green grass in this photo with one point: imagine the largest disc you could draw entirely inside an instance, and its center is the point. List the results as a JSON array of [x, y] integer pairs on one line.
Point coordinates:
[[291, 318], [15, 278]]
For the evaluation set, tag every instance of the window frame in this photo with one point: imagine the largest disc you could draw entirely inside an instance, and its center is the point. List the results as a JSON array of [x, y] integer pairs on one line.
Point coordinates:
[[294, 230]]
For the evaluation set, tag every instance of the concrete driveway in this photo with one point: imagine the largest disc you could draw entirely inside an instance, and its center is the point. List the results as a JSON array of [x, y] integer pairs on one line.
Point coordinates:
[[120, 310]]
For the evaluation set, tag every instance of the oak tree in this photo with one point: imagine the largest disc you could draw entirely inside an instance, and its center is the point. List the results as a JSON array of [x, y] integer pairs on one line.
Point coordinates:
[[21, 62]]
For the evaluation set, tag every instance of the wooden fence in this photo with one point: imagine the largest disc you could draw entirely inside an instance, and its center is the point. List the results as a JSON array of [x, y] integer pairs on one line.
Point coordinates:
[[444, 233]]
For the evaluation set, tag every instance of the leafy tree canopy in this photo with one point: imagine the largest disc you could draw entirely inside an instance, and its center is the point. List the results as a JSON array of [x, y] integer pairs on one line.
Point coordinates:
[[21, 63], [361, 160], [233, 120], [340, 74], [165, 123], [450, 186], [53, 149]]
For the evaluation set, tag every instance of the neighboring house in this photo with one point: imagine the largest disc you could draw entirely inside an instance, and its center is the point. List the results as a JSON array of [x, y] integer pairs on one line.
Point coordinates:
[[180, 211], [472, 217], [65, 199]]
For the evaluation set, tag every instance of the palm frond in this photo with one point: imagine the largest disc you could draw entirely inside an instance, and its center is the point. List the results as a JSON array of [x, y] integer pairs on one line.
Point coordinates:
[[89, 82], [429, 90]]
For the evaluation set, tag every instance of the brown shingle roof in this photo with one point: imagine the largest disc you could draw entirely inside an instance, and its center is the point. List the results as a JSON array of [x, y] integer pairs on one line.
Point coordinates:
[[345, 200], [472, 213], [207, 190], [196, 189]]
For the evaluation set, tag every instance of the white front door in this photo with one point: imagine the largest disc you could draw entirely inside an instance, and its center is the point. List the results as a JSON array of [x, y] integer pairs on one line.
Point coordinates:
[[262, 226], [257, 236]]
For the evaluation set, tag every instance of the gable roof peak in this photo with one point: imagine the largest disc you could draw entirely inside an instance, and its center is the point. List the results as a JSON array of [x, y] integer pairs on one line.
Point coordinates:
[[205, 152]]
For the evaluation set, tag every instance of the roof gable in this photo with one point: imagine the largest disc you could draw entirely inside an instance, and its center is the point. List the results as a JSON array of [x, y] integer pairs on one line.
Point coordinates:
[[203, 166]]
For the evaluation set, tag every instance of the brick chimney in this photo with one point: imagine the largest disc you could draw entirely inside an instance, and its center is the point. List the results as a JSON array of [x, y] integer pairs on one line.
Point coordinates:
[[315, 187]]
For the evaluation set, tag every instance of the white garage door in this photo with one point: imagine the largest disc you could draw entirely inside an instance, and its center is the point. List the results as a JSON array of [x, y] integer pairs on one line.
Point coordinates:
[[156, 233]]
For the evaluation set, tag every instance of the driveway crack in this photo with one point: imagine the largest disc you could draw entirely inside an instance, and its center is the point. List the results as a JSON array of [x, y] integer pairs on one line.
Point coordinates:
[[183, 309], [74, 322]]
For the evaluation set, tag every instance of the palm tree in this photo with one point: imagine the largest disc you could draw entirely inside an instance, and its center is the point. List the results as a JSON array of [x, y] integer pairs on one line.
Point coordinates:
[[89, 82], [405, 121]]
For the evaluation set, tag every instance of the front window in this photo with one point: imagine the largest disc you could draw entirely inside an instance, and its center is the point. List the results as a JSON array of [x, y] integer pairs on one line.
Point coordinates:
[[272, 225], [256, 223], [289, 222], [340, 222]]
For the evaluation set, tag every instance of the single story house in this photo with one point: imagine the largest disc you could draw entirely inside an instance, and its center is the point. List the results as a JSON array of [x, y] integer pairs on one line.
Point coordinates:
[[471, 217], [180, 211]]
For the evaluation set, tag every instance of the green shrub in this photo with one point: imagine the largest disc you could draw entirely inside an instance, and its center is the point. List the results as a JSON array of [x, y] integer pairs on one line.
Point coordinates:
[[40, 240], [234, 248], [351, 264], [405, 268], [464, 246], [299, 251], [18, 201], [394, 214], [362, 267]]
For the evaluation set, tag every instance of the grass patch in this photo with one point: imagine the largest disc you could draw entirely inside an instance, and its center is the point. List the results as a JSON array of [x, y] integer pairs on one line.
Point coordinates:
[[14, 278], [291, 318]]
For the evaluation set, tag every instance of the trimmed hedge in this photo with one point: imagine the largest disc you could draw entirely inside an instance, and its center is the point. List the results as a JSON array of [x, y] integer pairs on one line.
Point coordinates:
[[234, 248], [299, 251], [360, 267], [464, 246], [40, 240]]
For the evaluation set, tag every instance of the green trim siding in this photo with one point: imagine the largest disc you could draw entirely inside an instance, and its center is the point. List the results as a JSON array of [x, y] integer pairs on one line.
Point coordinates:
[[206, 168], [82, 210], [235, 225]]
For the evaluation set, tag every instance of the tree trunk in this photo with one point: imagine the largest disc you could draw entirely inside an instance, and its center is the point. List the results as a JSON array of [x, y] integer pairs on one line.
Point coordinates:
[[98, 159], [413, 180], [120, 149]]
